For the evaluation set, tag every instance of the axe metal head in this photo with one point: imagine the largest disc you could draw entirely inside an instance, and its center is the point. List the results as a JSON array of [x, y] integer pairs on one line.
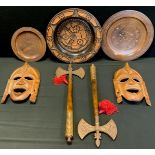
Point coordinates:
[[60, 71], [79, 72], [110, 129], [84, 129]]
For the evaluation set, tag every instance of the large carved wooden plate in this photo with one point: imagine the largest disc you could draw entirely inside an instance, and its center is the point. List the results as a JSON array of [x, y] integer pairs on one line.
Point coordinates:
[[74, 35], [28, 44], [127, 35]]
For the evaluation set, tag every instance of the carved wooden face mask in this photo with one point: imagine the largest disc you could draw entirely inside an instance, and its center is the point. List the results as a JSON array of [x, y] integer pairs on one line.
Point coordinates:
[[129, 84], [23, 83]]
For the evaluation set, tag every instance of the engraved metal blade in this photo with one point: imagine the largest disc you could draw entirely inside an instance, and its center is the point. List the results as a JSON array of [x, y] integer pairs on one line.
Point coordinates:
[[110, 129], [60, 71], [84, 128]]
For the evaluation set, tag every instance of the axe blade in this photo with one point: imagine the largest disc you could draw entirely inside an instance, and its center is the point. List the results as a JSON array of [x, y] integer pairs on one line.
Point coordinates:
[[60, 71], [84, 128], [79, 72], [110, 129]]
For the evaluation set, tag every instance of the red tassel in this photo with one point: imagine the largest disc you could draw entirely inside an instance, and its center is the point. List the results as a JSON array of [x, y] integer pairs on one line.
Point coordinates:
[[107, 107], [60, 80]]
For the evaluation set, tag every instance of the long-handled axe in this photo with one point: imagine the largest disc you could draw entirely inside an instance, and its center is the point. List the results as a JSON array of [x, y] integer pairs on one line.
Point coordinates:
[[69, 116], [84, 128]]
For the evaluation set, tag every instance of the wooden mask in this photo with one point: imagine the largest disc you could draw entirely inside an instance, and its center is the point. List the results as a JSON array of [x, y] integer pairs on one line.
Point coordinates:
[[129, 84], [23, 83]]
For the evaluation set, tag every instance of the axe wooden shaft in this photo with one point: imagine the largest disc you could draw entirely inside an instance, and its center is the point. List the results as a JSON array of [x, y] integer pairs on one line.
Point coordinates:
[[69, 115], [95, 103], [94, 92]]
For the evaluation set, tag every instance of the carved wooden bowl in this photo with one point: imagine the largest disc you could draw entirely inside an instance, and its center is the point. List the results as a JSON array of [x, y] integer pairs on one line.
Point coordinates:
[[127, 35], [28, 44], [74, 35]]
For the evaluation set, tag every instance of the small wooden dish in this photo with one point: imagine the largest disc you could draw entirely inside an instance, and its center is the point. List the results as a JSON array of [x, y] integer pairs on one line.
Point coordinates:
[[28, 44], [74, 35], [127, 35]]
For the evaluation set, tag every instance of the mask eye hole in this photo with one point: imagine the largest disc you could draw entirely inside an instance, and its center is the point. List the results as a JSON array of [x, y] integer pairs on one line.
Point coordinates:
[[136, 80], [124, 80], [28, 78], [17, 78]]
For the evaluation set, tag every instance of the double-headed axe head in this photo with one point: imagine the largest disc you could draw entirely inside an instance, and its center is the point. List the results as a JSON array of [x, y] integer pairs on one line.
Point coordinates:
[[79, 72], [110, 129]]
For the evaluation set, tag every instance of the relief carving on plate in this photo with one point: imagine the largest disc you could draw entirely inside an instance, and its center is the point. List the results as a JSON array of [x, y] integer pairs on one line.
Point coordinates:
[[74, 35], [74, 38]]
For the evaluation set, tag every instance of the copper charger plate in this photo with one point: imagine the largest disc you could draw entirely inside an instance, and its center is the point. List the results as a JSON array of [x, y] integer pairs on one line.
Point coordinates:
[[127, 35], [74, 35], [28, 44]]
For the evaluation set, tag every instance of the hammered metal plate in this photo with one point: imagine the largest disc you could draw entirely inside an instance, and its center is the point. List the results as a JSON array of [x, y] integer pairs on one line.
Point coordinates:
[[28, 44], [127, 35], [74, 35]]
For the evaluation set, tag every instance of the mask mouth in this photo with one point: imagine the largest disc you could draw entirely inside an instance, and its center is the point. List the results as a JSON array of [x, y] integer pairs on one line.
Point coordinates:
[[133, 90], [19, 91]]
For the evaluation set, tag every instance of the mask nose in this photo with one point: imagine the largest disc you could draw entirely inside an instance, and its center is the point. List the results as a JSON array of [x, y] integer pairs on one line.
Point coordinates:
[[131, 82], [21, 82]]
